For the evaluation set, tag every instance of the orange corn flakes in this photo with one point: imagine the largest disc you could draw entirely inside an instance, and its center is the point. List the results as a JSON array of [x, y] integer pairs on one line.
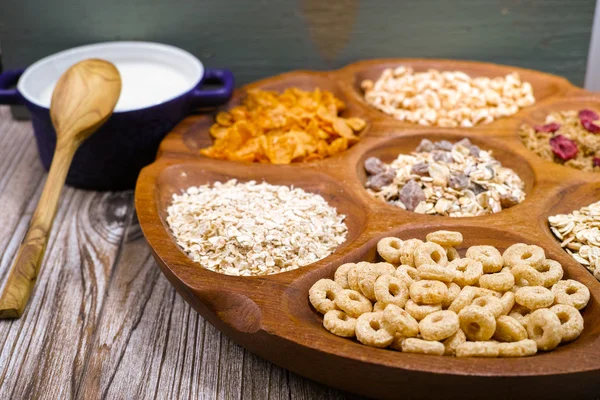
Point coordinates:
[[294, 126]]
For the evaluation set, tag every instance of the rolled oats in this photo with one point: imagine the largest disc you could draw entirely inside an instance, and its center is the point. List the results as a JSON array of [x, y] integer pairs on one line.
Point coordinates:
[[579, 232], [254, 228]]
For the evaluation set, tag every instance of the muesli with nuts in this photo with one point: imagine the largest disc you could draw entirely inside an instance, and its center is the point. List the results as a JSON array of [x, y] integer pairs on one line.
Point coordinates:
[[442, 178]]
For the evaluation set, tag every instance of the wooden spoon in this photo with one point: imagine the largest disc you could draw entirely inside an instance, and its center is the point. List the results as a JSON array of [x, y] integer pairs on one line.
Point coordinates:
[[83, 99]]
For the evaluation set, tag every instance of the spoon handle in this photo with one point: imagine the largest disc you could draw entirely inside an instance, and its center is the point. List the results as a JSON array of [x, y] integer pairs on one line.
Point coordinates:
[[24, 271]]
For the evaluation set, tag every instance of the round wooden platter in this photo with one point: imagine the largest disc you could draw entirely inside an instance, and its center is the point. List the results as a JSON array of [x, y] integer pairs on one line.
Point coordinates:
[[271, 315]]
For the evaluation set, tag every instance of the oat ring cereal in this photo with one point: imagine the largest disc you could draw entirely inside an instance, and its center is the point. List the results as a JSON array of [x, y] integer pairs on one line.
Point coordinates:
[[526, 275], [572, 293], [428, 292], [571, 321], [453, 341], [509, 329], [430, 253], [467, 271], [520, 313], [551, 271], [379, 306], [500, 281], [436, 272], [389, 249], [339, 323], [445, 238], [407, 251], [353, 303], [323, 294], [407, 274], [419, 312], [477, 349], [420, 346], [439, 325], [391, 290], [370, 330], [508, 302], [489, 303], [400, 322], [544, 327], [453, 292], [489, 257], [523, 254], [534, 297], [522, 348], [452, 253], [369, 274], [477, 323], [464, 298], [341, 274], [352, 277]]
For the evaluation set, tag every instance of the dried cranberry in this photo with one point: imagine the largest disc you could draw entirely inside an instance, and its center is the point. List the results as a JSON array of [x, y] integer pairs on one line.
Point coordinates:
[[590, 126], [551, 127], [596, 161], [588, 115], [564, 148]]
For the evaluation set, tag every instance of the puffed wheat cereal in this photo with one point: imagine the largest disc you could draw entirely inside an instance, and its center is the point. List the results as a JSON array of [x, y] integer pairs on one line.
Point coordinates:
[[477, 349], [339, 323], [445, 238], [391, 290], [571, 321], [544, 327], [428, 292], [477, 323], [489, 257], [439, 325], [323, 294], [370, 330], [572, 293], [509, 329], [353, 303], [389, 249], [420, 346], [534, 297]]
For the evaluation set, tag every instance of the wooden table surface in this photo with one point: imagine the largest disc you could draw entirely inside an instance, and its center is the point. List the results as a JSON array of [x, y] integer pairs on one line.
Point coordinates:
[[103, 322]]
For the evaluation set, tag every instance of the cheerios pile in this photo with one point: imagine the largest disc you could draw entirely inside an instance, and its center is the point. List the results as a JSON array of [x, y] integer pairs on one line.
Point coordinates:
[[446, 98], [426, 299]]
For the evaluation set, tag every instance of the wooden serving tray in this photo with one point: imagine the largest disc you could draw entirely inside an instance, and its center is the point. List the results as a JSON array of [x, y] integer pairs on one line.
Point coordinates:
[[271, 315]]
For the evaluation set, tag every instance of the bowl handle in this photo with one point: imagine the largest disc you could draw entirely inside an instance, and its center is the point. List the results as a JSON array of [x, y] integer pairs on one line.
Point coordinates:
[[7, 80], [214, 97]]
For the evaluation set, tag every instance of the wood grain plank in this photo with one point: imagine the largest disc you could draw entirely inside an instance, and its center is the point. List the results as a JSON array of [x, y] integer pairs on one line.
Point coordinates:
[[151, 344]]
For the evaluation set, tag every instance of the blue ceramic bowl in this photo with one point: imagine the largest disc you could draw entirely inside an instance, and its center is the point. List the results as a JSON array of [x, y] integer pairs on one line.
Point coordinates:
[[160, 86]]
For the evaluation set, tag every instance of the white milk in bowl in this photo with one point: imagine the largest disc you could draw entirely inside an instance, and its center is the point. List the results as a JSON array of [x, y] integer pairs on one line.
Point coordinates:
[[143, 85]]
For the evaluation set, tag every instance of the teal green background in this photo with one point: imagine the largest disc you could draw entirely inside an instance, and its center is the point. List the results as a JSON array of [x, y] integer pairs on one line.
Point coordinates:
[[258, 38]]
